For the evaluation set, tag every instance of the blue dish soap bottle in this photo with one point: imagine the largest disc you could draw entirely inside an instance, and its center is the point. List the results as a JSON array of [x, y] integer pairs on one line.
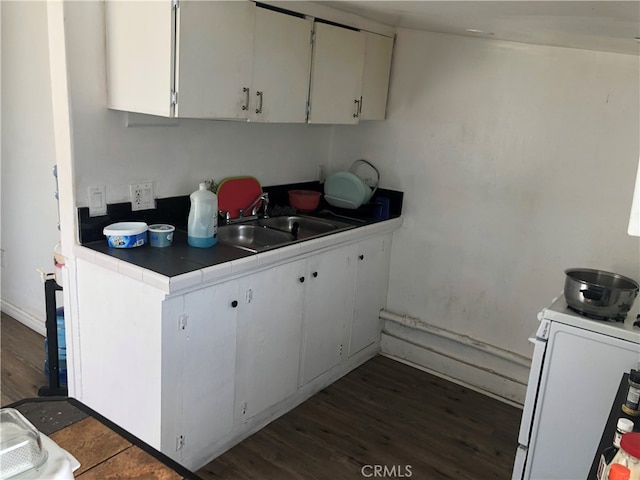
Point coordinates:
[[202, 225]]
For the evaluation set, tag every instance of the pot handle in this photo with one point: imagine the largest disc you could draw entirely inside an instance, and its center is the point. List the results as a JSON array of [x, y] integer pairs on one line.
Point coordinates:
[[592, 293]]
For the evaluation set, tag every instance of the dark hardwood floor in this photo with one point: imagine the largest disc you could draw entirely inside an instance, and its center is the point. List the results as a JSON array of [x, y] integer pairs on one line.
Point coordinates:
[[383, 420], [22, 357], [382, 415]]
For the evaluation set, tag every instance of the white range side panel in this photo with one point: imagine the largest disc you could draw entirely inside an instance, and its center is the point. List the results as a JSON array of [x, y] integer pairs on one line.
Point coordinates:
[[328, 309], [336, 74], [281, 67], [213, 58], [139, 38], [121, 349], [372, 283], [375, 76], [580, 378]]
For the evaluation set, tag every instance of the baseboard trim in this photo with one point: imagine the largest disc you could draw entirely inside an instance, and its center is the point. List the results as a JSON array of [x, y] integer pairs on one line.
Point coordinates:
[[453, 380], [458, 358], [34, 323]]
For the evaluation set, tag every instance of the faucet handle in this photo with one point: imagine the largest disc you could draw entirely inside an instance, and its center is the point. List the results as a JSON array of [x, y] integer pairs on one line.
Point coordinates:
[[265, 205], [226, 215]]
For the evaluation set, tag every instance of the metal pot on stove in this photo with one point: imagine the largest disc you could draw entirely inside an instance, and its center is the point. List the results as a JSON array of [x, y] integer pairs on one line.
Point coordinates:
[[599, 293]]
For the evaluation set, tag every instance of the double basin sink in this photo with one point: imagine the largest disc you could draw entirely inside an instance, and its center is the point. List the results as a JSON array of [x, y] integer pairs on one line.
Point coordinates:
[[265, 233]]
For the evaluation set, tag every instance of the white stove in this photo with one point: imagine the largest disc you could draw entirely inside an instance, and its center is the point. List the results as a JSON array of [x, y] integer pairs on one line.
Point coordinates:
[[576, 369], [558, 311]]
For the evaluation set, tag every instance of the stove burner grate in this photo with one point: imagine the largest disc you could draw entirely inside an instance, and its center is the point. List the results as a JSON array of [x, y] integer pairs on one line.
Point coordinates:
[[617, 318]]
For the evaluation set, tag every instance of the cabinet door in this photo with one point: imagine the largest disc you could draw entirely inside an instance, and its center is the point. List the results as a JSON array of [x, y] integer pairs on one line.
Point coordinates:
[[336, 74], [209, 368], [281, 67], [139, 56], [372, 281], [328, 309], [270, 338], [375, 77], [214, 58]]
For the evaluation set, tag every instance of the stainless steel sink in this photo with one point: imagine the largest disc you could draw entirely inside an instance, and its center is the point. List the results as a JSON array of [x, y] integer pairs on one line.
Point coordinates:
[[253, 237], [302, 227], [265, 233]]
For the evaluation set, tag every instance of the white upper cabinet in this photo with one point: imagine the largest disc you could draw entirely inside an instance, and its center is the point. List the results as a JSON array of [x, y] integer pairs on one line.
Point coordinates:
[[281, 67], [192, 60], [239, 60], [336, 74], [375, 77], [139, 56], [214, 51]]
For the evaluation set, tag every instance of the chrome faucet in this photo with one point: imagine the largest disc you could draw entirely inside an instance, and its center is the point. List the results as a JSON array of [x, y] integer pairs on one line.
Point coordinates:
[[255, 206], [249, 213]]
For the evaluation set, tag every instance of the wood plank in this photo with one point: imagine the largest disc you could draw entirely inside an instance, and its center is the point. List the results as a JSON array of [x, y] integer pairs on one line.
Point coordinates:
[[22, 361], [131, 464], [91, 442], [387, 414]]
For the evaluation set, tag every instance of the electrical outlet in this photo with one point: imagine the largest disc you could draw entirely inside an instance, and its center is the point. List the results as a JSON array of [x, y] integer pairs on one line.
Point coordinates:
[[243, 407], [142, 196]]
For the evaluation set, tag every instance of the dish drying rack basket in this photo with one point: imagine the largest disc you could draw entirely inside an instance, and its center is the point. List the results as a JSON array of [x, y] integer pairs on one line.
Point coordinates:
[[365, 174]]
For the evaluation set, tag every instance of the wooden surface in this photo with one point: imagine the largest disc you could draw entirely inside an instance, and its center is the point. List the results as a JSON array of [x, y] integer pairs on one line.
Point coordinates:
[[103, 454], [103, 449], [382, 414], [22, 357]]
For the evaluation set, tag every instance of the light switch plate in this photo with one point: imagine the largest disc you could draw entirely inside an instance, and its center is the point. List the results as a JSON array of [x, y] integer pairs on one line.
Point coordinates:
[[142, 196], [97, 200]]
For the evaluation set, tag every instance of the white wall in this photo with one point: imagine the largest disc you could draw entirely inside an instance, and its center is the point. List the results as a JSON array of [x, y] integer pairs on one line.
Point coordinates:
[[29, 209], [517, 161], [177, 157]]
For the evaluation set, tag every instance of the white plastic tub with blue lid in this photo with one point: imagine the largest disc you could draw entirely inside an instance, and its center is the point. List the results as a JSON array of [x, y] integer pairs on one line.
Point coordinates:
[[126, 234]]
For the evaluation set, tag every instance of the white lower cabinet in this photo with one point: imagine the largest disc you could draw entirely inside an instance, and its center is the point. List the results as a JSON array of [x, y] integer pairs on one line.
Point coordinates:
[[327, 310], [372, 283], [192, 373], [209, 325], [269, 338]]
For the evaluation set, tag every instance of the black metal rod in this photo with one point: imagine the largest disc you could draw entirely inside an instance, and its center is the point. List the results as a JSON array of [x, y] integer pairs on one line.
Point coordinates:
[[51, 323]]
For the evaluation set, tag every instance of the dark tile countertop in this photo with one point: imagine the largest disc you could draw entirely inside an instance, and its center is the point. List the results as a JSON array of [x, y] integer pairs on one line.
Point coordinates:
[[180, 258], [175, 260]]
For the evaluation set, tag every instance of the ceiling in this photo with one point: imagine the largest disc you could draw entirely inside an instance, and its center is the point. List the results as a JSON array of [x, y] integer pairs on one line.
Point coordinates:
[[609, 26]]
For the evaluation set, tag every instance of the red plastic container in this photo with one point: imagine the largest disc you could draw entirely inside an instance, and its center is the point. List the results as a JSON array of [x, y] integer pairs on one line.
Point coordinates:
[[305, 201]]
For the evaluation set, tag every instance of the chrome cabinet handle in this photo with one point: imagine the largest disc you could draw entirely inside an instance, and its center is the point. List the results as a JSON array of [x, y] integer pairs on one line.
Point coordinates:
[[259, 109], [357, 114], [246, 98]]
